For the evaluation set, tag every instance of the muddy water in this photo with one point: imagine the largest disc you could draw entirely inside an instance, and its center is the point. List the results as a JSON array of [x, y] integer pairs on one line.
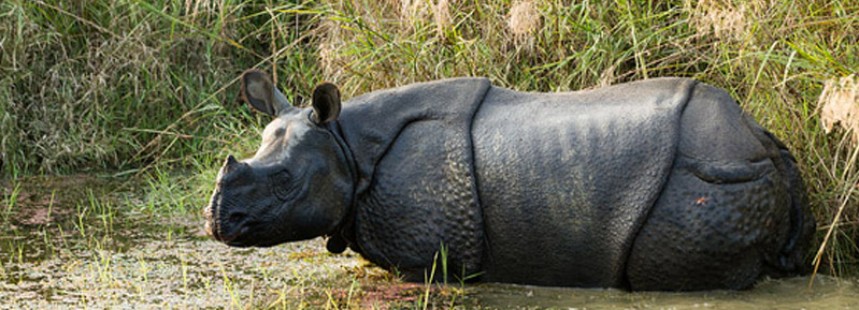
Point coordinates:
[[84, 242], [826, 293]]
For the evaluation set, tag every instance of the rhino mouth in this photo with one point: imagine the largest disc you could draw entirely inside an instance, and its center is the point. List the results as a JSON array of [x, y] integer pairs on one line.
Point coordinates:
[[211, 225], [233, 239], [238, 234], [230, 232], [214, 223]]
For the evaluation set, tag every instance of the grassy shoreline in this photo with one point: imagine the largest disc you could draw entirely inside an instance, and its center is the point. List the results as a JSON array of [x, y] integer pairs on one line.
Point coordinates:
[[147, 88]]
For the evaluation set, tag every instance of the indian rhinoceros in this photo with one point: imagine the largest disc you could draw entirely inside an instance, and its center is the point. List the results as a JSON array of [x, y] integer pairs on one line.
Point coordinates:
[[661, 184]]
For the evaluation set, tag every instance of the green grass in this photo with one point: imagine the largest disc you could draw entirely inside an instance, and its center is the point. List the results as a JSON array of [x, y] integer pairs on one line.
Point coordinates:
[[148, 88]]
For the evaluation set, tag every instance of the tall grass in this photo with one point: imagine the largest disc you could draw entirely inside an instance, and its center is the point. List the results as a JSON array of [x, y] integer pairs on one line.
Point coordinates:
[[143, 86], [118, 85]]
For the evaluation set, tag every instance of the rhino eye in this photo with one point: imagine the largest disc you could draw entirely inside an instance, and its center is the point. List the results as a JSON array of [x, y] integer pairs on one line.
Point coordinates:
[[281, 185]]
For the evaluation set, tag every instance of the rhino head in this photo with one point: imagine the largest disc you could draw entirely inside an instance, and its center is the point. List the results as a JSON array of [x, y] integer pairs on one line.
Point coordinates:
[[299, 184]]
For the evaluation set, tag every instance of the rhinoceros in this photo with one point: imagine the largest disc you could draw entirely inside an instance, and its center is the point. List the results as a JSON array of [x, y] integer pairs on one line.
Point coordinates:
[[661, 184]]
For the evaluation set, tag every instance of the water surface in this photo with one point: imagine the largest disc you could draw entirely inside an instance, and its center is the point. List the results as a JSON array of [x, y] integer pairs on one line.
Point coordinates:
[[793, 293], [87, 242]]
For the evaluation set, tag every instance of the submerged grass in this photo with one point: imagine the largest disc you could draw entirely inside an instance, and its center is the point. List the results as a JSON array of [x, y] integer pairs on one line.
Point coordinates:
[[148, 88], [101, 251]]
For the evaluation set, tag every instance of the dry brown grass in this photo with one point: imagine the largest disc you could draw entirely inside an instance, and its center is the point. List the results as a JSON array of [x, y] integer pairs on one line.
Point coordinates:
[[523, 21], [441, 16], [839, 105], [722, 19], [413, 12]]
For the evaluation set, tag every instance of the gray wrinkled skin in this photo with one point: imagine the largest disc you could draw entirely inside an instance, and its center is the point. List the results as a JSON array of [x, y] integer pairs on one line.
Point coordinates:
[[663, 184]]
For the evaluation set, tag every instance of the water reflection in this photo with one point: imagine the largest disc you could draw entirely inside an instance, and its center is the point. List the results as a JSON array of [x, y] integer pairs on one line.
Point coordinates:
[[794, 293]]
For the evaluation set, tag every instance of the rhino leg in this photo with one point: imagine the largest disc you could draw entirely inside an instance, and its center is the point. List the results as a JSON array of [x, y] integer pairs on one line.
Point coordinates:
[[732, 210]]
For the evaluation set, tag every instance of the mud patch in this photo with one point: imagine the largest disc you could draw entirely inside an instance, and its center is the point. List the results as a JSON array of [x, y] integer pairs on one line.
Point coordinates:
[[37, 201]]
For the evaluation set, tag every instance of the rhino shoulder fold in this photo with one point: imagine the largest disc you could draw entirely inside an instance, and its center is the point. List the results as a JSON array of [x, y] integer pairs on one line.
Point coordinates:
[[373, 121]]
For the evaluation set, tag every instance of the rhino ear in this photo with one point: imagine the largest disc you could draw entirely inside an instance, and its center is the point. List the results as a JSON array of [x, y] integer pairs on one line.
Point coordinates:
[[326, 103], [262, 95]]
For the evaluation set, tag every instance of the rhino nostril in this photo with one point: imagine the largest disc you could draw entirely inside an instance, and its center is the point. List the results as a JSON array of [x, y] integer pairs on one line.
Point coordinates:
[[237, 217]]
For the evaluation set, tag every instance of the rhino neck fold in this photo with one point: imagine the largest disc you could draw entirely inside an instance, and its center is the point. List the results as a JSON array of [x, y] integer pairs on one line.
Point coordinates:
[[414, 156], [344, 231]]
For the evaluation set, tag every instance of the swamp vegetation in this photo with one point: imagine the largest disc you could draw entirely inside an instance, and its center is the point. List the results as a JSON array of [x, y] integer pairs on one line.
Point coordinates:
[[115, 116]]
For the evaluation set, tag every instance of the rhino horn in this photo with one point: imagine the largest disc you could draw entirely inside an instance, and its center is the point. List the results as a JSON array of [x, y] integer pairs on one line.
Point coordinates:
[[231, 161], [231, 167]]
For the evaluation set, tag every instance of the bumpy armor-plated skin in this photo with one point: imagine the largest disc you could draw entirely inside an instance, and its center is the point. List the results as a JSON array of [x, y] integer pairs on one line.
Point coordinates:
[[417, 189], [579, 173], [661, 184]]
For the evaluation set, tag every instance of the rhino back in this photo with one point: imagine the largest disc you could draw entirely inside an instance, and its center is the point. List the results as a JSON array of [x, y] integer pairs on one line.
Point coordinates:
[[566, 180]]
